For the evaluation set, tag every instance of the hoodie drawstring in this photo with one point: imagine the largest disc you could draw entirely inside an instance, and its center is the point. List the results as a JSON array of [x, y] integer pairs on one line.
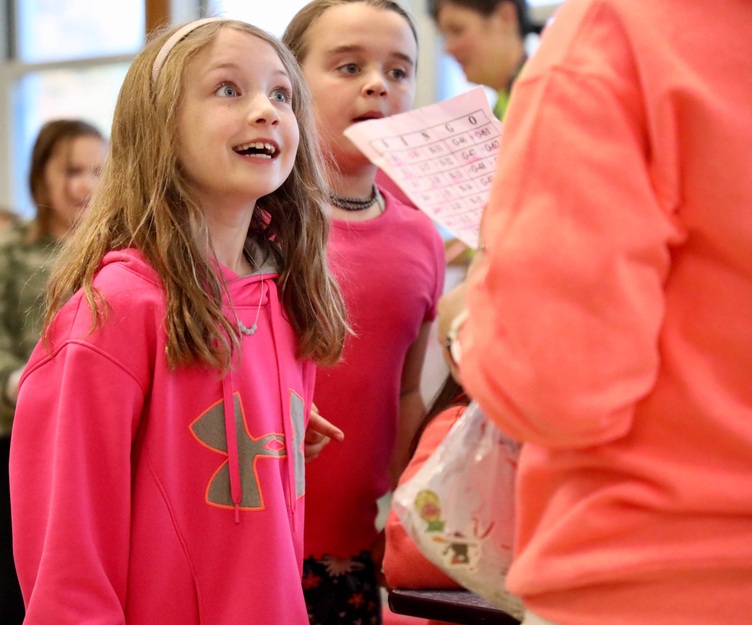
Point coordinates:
[[231, 429], [284, 396], [231, 435]]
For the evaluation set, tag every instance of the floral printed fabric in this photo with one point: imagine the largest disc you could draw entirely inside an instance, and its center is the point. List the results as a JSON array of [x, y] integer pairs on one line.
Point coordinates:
[[342, 591]]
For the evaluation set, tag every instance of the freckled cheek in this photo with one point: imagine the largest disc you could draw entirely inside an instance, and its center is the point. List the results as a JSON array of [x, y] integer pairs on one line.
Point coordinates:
[[328, 117], [334, 103]]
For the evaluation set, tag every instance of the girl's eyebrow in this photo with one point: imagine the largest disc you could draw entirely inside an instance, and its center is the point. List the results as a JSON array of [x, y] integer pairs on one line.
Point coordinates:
[[349, 49], [237, 66]]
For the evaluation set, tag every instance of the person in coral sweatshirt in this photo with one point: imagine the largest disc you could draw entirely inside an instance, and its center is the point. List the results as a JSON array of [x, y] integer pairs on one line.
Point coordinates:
[[157, 457], [608, 321]]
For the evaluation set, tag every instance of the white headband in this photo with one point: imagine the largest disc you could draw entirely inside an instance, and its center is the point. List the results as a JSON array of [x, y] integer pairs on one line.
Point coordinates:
[[177, 36]]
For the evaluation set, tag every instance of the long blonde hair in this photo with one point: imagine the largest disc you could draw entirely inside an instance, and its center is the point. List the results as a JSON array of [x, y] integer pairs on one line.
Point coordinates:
[[145, 201]]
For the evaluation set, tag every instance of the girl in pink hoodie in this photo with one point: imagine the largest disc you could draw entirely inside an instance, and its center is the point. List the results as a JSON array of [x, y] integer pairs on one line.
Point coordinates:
[[157, 456]]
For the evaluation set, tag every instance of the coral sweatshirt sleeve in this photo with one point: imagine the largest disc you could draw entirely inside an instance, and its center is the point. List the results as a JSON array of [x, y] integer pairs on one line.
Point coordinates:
[[572, 290], [609, 324], [151, 495]]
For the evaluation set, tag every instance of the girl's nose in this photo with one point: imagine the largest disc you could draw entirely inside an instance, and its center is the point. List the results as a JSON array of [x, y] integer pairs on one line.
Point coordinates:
[[84, 184], [262, 111], [375, 85]]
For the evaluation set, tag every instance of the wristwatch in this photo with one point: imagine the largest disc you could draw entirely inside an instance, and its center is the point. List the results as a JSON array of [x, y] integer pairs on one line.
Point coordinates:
[[452, 341]]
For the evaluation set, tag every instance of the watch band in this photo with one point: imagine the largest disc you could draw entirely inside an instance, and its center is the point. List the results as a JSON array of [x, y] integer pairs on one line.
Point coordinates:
[[452, 343]]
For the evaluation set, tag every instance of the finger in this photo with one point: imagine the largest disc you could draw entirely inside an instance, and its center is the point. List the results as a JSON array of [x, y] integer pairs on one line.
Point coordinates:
[[318, 424], [312, 437], [312, 450]]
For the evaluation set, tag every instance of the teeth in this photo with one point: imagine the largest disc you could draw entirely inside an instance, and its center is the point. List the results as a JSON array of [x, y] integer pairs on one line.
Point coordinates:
[[267, 148]]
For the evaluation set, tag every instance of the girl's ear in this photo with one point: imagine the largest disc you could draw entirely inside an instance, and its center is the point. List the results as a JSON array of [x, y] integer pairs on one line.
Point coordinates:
[[506, 14]]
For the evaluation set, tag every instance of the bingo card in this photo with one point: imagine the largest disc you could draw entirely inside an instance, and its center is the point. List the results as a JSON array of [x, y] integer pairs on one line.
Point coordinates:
[[443, 156]]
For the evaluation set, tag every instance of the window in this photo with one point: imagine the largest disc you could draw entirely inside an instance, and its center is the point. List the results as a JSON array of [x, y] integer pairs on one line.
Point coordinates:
[[69, 58], [64, 59], [55, 31], [272, 17]]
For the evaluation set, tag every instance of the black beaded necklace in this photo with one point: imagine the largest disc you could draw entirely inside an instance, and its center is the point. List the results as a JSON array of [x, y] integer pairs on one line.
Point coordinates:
[[354, 203]]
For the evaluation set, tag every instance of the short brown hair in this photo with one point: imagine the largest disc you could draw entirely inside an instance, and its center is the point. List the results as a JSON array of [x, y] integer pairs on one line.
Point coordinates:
[[296, 31], [485, 8]]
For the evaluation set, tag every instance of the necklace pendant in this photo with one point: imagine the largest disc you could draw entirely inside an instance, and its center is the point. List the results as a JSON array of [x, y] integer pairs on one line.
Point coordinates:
[[252, 330], [247, 331]]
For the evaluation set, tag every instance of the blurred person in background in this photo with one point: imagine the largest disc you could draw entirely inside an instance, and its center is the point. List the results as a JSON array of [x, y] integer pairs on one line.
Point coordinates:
[[487, 39], [66, 160], [8, 218]]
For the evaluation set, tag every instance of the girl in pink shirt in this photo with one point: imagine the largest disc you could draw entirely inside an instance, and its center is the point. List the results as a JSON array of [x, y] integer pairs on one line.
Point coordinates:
[[359, 59]]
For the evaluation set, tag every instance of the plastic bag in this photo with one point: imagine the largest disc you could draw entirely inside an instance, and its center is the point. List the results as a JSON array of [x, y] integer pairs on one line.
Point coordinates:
[[459, 507]]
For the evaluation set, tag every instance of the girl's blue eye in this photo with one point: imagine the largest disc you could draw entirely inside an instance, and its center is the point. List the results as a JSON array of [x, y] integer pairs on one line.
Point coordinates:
[[227, 91], [399, 74], [282, 95], [349, 68]]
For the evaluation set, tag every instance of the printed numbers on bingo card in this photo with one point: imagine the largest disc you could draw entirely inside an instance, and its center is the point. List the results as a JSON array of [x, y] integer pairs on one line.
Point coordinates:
[[442, 155]]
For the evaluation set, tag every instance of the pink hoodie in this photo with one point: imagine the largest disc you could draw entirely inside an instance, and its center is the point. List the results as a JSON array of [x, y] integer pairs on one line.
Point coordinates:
[[138, 494]]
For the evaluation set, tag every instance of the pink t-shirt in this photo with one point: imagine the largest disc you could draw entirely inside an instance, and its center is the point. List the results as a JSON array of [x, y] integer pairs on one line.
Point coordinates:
[[391, 272]]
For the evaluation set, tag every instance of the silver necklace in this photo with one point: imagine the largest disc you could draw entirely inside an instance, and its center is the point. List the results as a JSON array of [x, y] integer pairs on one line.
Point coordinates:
[[252, 330], [247, 331], [354, 203]]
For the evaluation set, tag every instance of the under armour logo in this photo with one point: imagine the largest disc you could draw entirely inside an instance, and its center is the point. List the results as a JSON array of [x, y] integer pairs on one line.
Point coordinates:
[[209, 429]]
